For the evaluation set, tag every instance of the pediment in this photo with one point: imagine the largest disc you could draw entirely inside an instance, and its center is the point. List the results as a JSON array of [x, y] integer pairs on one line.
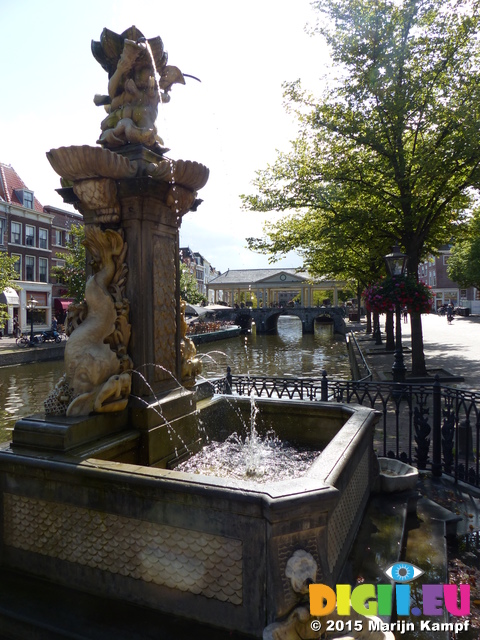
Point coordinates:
[[282, 277]]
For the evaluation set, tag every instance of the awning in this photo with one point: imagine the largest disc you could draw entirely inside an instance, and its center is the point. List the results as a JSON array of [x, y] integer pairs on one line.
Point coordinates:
[[10, 297], [61, 304]]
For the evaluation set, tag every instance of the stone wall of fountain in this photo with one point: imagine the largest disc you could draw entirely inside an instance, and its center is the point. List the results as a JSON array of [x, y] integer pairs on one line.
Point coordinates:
[[206, 548]]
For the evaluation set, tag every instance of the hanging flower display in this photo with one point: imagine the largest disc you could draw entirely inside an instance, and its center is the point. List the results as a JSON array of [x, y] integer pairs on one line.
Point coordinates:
[[382, 296]]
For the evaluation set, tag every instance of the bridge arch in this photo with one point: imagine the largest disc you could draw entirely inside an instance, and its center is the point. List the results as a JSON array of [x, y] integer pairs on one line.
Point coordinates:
[[266, 319]]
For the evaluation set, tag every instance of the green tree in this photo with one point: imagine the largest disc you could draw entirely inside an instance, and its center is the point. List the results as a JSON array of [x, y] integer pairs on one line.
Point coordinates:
[[7, 279], [73, 273], [188, 287], [390, 152], [464, 261]]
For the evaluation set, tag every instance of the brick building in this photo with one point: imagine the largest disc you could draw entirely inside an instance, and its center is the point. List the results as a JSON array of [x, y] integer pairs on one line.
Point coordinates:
[[34, 234], [434, 273]]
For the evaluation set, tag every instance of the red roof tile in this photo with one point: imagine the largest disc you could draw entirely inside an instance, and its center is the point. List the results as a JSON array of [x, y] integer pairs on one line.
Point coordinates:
[[9, 182]]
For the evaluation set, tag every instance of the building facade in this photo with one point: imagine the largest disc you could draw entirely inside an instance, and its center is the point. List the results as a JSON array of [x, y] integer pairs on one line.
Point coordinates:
[[433, 272], [270, 287], [201, 269], [33, 234]]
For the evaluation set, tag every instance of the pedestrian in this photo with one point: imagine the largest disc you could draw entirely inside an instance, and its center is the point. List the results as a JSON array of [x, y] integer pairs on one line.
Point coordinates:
[[450, 313], [405, 314], [54, 324], [16, 328]]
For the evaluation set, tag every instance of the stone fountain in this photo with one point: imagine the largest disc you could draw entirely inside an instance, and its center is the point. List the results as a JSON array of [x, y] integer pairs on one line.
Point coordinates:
[[89, 492]]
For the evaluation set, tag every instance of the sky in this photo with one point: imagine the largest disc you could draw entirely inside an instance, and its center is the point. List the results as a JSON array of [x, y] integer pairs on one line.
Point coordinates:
[[233, 121]]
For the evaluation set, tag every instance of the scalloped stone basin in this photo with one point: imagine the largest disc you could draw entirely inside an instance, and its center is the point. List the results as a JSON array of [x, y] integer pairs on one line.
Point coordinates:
[[396, 475], [205, 548]]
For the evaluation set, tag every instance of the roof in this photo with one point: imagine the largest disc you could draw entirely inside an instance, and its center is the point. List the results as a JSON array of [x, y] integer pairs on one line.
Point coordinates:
[[10, 181], [251, 276]]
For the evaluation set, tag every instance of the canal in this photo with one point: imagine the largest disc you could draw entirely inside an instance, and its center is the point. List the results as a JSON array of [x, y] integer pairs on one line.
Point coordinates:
[[24, 387]]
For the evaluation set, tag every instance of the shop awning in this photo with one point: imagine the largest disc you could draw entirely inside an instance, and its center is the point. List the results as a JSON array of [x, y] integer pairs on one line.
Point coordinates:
[[61, 304], [9, 296]]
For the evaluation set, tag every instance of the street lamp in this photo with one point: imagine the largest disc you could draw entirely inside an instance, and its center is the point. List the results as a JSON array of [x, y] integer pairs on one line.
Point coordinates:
[[396, 263], [31, 306]]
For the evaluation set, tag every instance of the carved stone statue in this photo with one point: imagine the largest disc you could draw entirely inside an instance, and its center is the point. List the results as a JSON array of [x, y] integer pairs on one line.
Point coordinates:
[[134, 92], [96, 360]]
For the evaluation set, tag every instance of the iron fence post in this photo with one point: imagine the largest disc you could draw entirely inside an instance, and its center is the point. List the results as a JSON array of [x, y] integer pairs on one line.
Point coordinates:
[[228, 381], [324, 396], [437, 429]]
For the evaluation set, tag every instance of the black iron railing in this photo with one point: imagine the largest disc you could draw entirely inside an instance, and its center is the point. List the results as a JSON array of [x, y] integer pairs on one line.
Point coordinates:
[[431, 426]]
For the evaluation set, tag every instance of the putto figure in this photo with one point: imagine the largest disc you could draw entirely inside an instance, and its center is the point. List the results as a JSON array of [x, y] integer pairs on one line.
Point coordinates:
[[133, 63]]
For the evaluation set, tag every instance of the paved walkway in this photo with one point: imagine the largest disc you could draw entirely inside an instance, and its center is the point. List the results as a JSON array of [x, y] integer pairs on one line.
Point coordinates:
[[454, 348]]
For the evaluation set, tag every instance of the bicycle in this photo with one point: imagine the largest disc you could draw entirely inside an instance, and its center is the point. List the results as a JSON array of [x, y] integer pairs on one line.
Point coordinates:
[[23, 340]]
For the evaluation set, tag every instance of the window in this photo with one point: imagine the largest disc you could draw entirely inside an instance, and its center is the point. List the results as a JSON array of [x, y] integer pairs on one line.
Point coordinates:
[[28, 199], [445, 259], [2, 230], [68, 237], [17, 265], [58, 237], [16, 232], [29, 268], [43, 269], [43, 238], [29, 236]]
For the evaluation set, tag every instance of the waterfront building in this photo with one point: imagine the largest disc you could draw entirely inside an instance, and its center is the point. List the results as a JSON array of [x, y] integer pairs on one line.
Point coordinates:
[[433, 272], [271, 287], [34, 234]]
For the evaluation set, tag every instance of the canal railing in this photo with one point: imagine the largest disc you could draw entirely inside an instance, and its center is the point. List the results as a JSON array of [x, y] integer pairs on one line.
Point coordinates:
[[428, 425]]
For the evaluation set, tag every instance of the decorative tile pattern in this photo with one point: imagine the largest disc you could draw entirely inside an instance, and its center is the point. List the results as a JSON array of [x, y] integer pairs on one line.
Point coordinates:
[[183, 559], [164, 307], [346, 510]]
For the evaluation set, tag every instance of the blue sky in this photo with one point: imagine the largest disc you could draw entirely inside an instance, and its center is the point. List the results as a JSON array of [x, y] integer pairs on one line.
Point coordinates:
[[233, 121]]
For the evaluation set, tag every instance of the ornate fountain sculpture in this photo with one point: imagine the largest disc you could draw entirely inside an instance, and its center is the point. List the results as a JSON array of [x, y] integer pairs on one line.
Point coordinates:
[[132, 196]]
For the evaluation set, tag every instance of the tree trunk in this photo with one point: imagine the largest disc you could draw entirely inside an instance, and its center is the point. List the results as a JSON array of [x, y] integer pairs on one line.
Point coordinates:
[[419, 367], [390, 343], [369, 322]]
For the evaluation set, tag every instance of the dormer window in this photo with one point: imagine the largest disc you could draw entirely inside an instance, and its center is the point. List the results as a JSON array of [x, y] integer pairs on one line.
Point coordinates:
[[25, 197]]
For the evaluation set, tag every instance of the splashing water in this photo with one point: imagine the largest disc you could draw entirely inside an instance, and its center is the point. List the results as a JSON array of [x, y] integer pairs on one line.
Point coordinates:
[[268, 460], [251, 458]]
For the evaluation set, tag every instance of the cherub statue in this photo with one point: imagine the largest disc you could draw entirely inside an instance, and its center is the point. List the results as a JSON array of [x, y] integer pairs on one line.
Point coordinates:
[[134, 93]]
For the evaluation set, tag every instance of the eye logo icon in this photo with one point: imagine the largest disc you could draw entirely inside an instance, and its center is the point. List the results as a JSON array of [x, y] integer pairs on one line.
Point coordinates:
[[403, 572]]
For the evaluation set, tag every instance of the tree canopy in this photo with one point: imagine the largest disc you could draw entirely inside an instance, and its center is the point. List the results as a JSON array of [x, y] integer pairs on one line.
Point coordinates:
[[188, 286], [73, 273], [390, 153], [464, 261]]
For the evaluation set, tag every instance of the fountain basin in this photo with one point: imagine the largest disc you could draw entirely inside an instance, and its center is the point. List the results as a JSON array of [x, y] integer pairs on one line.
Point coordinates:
[[396, 475], [205, 548]]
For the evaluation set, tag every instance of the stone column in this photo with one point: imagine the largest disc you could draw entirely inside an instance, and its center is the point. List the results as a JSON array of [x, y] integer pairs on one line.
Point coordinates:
[[151, 232]]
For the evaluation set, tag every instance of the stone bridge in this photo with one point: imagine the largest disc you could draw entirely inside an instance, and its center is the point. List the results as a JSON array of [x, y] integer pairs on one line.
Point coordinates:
[[266, 318]]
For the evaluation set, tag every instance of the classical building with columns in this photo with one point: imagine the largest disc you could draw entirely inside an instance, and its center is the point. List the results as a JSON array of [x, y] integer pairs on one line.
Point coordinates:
[[270, 287]]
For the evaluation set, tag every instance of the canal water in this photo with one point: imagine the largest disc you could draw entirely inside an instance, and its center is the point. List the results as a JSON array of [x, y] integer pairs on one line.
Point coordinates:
[[24, 387]]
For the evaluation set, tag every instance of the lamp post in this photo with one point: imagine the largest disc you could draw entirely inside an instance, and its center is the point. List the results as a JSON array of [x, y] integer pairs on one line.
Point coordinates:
[[396, 263], [31, 306]]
